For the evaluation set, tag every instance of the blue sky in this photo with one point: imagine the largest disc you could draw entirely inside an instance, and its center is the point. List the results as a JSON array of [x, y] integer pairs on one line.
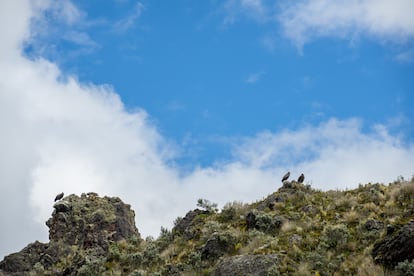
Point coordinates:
[[163, 103], [211, 70]]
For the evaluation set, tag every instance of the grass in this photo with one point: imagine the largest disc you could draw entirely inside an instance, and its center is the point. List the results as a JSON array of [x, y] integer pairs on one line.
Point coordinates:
[[313, 232]]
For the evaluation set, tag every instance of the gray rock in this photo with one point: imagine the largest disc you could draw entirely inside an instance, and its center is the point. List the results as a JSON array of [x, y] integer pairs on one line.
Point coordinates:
[[373, 224], [250, 221], [185, 225], [246, 265], [78, 225], [62, 206], [92, 221], [311, 209], [216, 246], [295, 239], [25, 259], [396, 247], [270, 201]]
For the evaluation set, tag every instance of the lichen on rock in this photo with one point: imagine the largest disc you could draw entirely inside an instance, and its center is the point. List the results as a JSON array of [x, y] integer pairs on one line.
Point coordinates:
[[396, 247], [79, 227], [246, 265]]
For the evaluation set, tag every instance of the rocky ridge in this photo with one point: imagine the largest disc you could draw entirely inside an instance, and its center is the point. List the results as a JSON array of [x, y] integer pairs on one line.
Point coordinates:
[[296, 230]]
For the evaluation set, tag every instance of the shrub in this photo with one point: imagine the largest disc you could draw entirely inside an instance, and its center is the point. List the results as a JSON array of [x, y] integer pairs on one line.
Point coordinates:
[[405, 268], [406, 194], [151, 255], [165, 238], [134, 240], [227, 214], [194, 260], [92, 267], [138, 273], [135, 259], [335, 236], [318, 261], [232, 211], [209, 229], [207, 205], [114, 253], [268, 224]]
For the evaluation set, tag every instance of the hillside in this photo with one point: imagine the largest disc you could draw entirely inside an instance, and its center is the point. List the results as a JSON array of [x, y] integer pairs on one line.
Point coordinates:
[[297, 230]]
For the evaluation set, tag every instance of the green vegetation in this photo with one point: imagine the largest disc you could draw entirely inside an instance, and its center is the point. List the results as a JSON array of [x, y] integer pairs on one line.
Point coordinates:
[[311, 232]]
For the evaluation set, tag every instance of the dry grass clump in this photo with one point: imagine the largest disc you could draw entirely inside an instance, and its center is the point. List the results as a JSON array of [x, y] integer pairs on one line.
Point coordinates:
[[346, 202], [288, 226], [233, 210], [406, 193], [257, 239], [371, 207], [352, 217], [304, 269]]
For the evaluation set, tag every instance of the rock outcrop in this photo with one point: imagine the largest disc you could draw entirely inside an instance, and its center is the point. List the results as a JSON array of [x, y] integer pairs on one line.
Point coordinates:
[[185, 226], [80, 227], [396, 247], [247, 265]]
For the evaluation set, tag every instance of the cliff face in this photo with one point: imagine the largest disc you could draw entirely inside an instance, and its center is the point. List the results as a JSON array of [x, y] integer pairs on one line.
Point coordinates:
[[294, 231], [90, 221], [80, 229]]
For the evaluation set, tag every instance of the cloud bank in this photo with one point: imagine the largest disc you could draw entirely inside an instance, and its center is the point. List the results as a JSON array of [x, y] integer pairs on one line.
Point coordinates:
[[382, 19], [305, 20], [59, 134]]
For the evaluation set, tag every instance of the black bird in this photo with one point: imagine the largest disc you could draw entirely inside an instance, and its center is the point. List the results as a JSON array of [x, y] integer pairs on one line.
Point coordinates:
[[286, 176], [301, 178], [59, 196]]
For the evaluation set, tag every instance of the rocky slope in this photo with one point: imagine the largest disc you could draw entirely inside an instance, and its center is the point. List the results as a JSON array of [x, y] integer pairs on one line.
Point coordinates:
[[295, 231]]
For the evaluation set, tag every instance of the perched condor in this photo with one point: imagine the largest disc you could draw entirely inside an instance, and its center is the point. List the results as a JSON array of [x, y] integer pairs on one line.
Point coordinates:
[[301, 178], [285, 177], [59, 196]]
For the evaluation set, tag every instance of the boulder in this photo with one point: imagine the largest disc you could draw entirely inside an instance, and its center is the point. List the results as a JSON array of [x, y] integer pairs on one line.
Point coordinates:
[[246, 265], [25, 259], [217, 245], [90, 221], [62, 206], [185, 225], [250, 221], [396, 247], [373, 224]]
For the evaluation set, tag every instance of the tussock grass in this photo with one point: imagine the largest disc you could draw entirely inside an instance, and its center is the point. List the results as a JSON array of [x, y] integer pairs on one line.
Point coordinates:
[[313, 233]]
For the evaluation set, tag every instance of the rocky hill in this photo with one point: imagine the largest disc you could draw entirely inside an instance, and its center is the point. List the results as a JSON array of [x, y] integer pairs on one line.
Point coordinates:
[[295, 231]]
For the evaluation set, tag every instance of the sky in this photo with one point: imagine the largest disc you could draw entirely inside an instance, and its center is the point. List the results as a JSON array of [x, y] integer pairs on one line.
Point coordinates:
[[165, 102]]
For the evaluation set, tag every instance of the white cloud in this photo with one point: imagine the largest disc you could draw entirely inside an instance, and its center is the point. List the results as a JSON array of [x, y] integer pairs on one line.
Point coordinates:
[[57, 21], [305, 20], [62, 135], [406, 56], [129, 21], [254, 77], [253, 9], [80, 38], [13, 31], [386, 20], [335, 154], [66, 11]]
